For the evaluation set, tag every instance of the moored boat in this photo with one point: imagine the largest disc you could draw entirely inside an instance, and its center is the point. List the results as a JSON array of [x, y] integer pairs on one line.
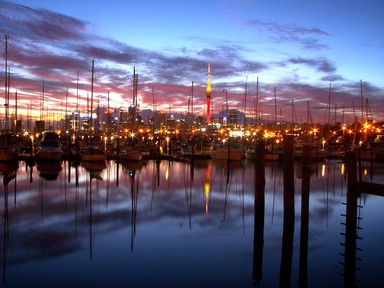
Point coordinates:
[[92, 154], [130, 155], [231, 152], [49, 148], [8, 147]]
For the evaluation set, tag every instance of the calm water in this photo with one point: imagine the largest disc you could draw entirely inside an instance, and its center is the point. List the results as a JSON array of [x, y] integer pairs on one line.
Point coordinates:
[[168, 225]]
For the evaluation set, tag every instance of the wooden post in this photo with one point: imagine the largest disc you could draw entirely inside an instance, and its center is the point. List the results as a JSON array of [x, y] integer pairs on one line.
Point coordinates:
[[305, 188], [289, 212], [351, 223], [258, 238]]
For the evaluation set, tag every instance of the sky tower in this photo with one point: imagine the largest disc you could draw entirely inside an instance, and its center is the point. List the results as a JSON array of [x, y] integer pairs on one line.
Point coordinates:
[[208, 92]]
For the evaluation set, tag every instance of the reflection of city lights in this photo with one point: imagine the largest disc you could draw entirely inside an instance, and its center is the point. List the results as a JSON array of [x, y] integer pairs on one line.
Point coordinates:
[[207, 186], [323, 170], [342, 169]]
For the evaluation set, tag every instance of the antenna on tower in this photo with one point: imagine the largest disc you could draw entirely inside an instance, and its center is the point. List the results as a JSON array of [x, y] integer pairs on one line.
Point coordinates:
[[208, 92]]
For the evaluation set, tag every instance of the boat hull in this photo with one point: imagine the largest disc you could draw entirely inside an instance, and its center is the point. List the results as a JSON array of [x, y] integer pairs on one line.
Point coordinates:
[[9, 156], [132, 156], [224, 154], [50, 155], [92, 157]]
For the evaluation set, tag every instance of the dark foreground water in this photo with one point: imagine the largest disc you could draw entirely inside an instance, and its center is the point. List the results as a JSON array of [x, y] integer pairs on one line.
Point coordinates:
[[168, 225]]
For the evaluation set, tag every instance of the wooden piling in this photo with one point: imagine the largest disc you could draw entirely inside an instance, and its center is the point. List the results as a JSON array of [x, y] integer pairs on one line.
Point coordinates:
[[258, 238], [351, 223], [289, 212], [304, 227]]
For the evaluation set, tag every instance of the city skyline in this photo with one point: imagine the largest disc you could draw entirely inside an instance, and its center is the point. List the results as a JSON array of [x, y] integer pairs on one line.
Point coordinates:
[[297, 48]]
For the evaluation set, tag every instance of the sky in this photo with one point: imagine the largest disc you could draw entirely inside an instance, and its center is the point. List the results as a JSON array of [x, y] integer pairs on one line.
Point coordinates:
[[324, 59]]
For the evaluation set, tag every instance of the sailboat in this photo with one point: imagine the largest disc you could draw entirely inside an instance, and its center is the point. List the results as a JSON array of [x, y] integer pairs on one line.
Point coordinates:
[[50, 147], [131, 152], [93, 150], [231, 150], [8, 148], [270, 153]]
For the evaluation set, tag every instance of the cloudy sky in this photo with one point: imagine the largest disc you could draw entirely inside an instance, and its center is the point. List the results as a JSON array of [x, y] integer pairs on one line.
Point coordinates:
[[300, 48]]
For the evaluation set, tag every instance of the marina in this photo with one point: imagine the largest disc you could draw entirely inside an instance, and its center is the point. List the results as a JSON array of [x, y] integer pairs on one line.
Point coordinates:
[[111, 180]]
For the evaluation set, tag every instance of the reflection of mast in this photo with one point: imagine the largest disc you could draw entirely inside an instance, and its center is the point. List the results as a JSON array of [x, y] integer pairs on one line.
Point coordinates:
[[134, 198], [188, 180], [90, 217], [274, 194], [9, 173], [227, 186], [208, 92], [5, 232], [94, 170], [258, 236]]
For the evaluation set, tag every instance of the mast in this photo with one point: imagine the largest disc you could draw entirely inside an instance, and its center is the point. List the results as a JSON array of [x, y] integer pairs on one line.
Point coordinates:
[[109, 117], [154, 109], [77, 119], [7, 101], [134, 98], [208, 93], [257, 102], [226, 103], [15, 121], [362, 103], [77, 91], [66, 110], [274, 88], [245, 101], [93, 71], [134, 87], [42, 103], [192, 112], [329, 105], [6, 85], [188, 117]]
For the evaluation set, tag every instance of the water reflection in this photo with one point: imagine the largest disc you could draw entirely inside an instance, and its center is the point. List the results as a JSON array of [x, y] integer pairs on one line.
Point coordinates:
[[210, 223]]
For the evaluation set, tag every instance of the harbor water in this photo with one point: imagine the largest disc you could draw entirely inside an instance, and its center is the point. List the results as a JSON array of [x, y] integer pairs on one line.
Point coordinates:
[[179, 224]]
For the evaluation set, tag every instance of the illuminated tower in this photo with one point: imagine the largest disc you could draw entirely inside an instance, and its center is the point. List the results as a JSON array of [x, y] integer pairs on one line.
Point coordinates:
[[208, 92]]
